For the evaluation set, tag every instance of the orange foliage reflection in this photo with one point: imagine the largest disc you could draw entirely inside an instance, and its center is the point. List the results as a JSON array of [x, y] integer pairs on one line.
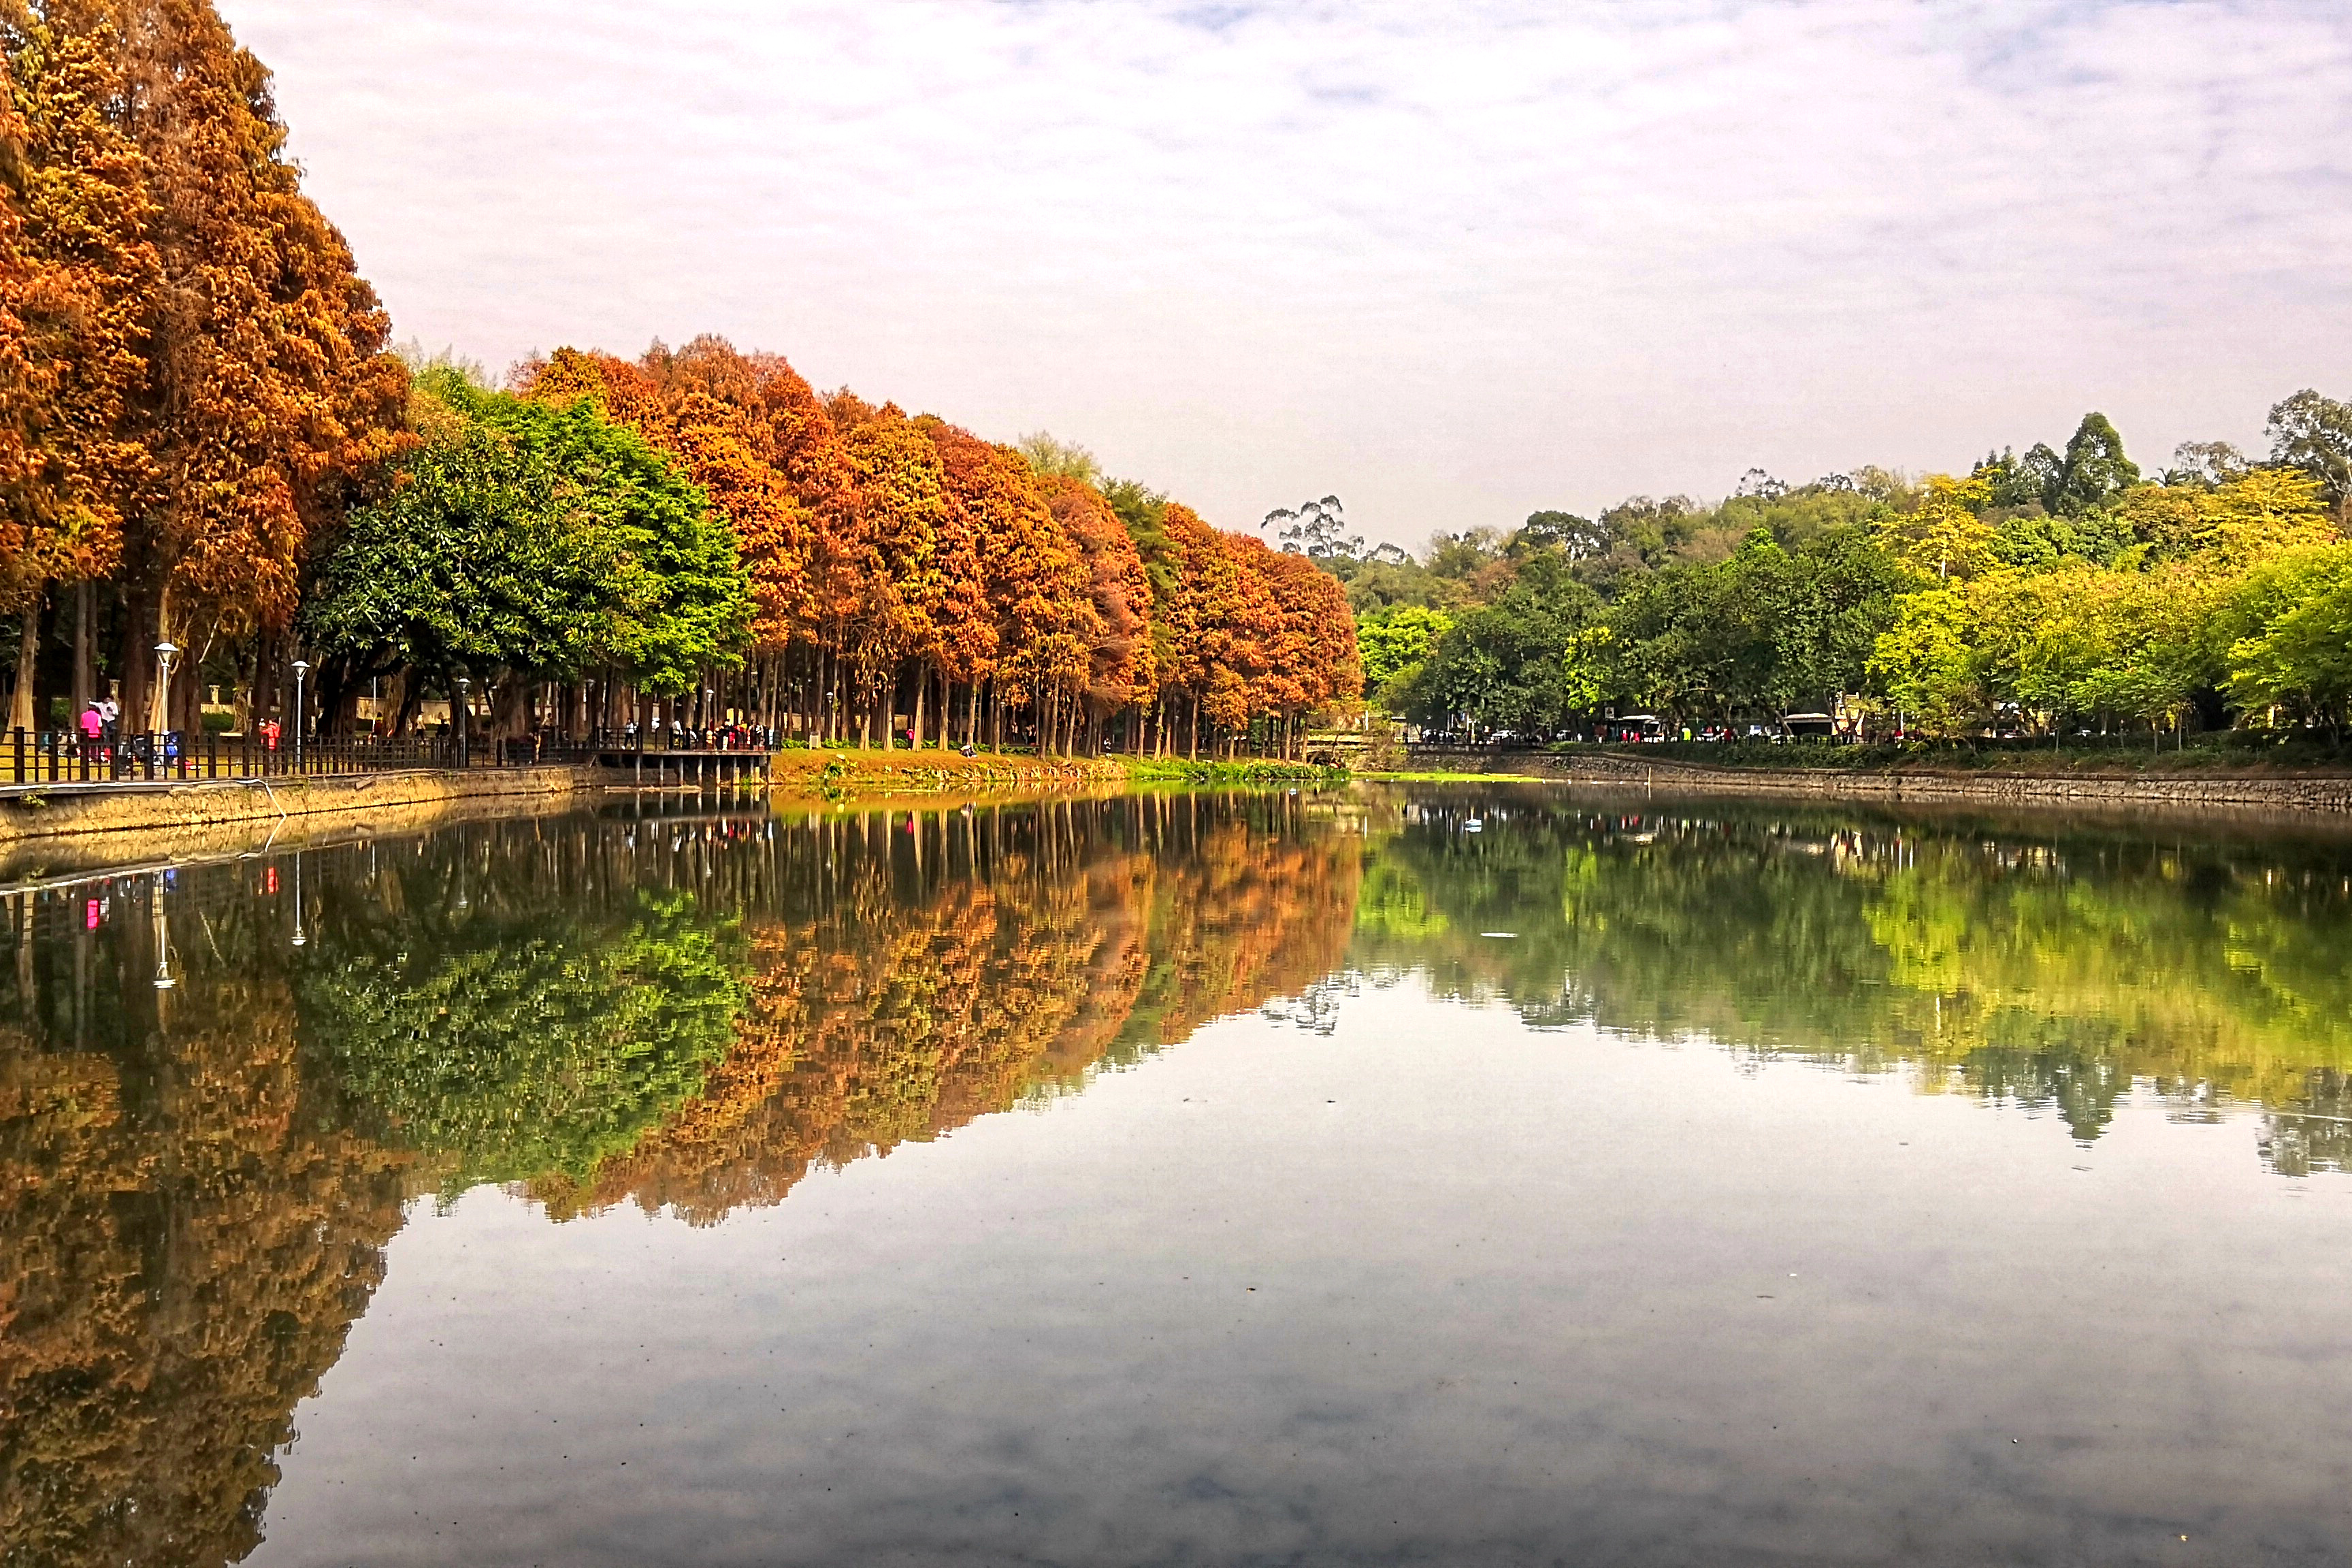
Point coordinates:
[[1035, 947]]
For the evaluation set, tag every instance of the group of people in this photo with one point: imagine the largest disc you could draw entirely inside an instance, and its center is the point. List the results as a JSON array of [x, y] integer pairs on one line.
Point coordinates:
[[100, 724], [725, 738], [98, 735]]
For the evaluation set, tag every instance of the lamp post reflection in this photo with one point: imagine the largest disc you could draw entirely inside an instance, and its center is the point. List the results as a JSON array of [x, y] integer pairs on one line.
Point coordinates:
[[163, 979]]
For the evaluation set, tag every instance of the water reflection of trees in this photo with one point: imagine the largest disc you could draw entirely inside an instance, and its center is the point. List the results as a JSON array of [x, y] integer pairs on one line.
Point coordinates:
[[513, 1001], [923, 968], [197, 1179], [2053, 968], [184, 1237]]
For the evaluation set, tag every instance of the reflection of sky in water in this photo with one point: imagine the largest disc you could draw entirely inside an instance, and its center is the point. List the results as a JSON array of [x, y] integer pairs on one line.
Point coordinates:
[[1432, 1285], [1496, 1206]]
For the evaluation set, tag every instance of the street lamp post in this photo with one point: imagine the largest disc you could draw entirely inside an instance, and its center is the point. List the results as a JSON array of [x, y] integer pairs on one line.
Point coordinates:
[[302, 669], [166, 655], [464, 686]]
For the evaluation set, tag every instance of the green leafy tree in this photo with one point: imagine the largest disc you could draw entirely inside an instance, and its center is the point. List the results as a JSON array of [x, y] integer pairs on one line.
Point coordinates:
[[526, 539], [1923, 662], [1394, 643], [2314, 434], [2095, 471], [700, 613], [2288, 632], [477, 563], [1502, 665]]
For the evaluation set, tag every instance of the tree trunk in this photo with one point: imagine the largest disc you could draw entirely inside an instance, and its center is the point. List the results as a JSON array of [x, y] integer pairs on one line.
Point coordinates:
[[85, 612], [407, 695], [29, 657], [264, 701], [138, 661]]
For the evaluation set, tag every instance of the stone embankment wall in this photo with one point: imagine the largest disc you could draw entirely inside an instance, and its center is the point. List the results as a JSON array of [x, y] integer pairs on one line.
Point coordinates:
[[2264, 791], [44, 832]]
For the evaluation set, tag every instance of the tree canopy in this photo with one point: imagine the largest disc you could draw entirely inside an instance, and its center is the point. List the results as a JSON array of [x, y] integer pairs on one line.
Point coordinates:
[[2055, 590]]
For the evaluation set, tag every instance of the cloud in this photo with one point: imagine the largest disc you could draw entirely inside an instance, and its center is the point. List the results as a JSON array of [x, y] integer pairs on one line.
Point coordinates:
[[1454, 263]]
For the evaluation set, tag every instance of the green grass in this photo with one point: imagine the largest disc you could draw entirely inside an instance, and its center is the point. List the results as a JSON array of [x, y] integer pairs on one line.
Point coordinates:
[[1438, 776], [1245, 770]]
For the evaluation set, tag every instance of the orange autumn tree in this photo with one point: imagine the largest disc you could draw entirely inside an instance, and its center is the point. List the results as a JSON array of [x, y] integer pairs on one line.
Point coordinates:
[[810, 453], [705, 406], [1318, 665], [1232, 628], [726, 433], [191, 368], [267, 393], [73, 268], [1122, 675], [904, 596], [1035, 582]]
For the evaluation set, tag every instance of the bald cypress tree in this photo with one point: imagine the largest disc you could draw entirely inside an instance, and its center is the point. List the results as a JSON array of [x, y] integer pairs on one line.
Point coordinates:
[[266, 392], [79, 273]]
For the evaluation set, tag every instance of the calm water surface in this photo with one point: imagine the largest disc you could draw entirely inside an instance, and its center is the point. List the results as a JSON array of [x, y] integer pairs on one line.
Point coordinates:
[[1417, 1175]]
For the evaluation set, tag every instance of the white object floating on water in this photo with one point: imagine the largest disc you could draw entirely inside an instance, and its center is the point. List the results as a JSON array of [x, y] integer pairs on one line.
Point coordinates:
[[1473, 826], [1505, 935]]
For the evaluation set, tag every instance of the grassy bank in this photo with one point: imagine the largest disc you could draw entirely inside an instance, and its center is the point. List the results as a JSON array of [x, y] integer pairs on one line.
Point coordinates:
[[838, 771], [1243, 771], [834, 771]]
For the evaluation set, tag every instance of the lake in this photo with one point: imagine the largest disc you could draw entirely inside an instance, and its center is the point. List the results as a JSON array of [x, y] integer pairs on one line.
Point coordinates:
[[1433, 1175]]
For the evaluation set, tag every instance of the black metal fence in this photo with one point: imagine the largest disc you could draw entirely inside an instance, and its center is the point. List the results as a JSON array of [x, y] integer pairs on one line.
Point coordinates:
[[68, 756]]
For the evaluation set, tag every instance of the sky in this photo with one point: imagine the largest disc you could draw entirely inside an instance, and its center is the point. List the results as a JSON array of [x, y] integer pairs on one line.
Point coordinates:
[[1453, 263]]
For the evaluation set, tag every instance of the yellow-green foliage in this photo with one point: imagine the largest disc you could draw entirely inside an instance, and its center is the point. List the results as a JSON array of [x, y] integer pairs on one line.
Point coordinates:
[[2234, 588]]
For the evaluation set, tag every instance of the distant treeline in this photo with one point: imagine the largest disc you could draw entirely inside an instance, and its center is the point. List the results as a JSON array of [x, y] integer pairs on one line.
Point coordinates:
[[2045, 591]]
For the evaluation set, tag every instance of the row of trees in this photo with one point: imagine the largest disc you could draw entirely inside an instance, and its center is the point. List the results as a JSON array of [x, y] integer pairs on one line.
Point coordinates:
[[701, 528], [205, 445], [2055, 591]]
